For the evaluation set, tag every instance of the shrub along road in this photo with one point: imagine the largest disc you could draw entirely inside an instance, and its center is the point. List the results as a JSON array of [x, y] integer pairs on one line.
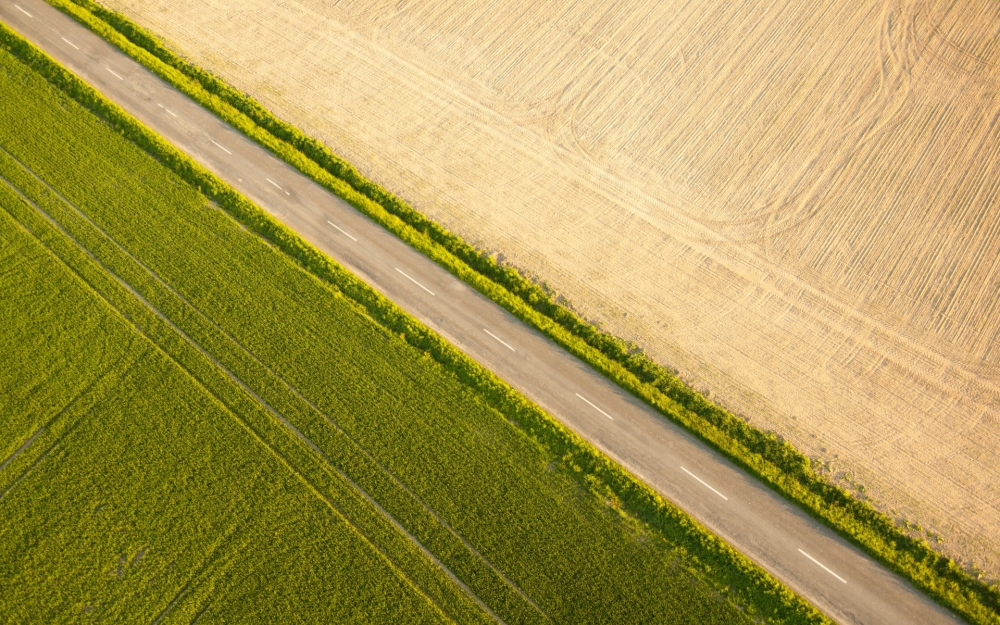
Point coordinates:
[[811, 559]]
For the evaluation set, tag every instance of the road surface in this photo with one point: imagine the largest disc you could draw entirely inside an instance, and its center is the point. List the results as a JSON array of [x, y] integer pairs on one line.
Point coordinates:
[[835, 576]]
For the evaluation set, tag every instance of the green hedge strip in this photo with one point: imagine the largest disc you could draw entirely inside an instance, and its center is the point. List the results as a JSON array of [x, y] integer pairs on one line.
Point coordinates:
[[763, 454], [728, 570]]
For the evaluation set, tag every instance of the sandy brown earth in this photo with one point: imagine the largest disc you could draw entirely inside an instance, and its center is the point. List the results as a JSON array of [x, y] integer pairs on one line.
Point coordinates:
[[795, 203]]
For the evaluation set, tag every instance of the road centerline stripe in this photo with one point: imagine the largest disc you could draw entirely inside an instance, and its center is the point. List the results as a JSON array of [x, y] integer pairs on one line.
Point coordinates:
[[169, 111], [69, 42], [23, 11], [414, 281], [115, 74], [275, 184], [705, 484], [823, 566], [220, 146], [594, 407], [350, 237], [504, 343]]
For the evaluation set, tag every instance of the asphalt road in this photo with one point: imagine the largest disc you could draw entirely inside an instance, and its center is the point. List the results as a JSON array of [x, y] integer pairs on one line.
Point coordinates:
[[836, 577]]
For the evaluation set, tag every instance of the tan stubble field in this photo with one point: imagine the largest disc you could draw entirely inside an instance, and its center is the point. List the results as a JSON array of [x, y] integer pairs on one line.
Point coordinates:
[[794, 203]]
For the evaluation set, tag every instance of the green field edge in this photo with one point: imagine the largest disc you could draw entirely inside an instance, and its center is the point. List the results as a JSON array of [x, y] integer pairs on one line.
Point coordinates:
[[596, 471], [773, 461], [336, 491], [391, 496]]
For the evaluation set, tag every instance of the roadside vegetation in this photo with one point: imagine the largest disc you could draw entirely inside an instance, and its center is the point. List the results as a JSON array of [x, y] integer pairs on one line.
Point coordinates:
[[761, 453], [207, 419]]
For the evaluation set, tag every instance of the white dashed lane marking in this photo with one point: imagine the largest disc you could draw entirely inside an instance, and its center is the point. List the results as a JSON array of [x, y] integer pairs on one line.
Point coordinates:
[[504, 343], [353, 239], [414, 281], [823, 566], [594, 407], [220, 146], [705, 484]]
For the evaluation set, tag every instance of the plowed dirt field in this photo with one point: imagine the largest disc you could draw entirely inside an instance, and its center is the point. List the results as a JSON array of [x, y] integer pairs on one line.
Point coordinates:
[[794, 203]]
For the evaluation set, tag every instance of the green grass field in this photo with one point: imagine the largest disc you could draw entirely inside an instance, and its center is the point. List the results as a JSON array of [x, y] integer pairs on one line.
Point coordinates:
[[140, 492], [196, 429]]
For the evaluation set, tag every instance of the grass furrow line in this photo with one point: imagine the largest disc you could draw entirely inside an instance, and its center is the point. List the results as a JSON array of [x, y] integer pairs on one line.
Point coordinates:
[[20, 450], [257, 434], [54, 427], [64, 420]]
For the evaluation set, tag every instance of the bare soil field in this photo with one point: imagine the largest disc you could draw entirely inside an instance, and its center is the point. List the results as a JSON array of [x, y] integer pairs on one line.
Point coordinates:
[[796, 204]]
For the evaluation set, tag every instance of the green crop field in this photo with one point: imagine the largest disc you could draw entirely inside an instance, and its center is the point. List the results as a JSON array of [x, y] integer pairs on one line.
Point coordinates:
[[193, 427]]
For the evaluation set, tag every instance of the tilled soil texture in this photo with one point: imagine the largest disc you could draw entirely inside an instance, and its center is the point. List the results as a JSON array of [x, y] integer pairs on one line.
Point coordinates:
[[794, 204]]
